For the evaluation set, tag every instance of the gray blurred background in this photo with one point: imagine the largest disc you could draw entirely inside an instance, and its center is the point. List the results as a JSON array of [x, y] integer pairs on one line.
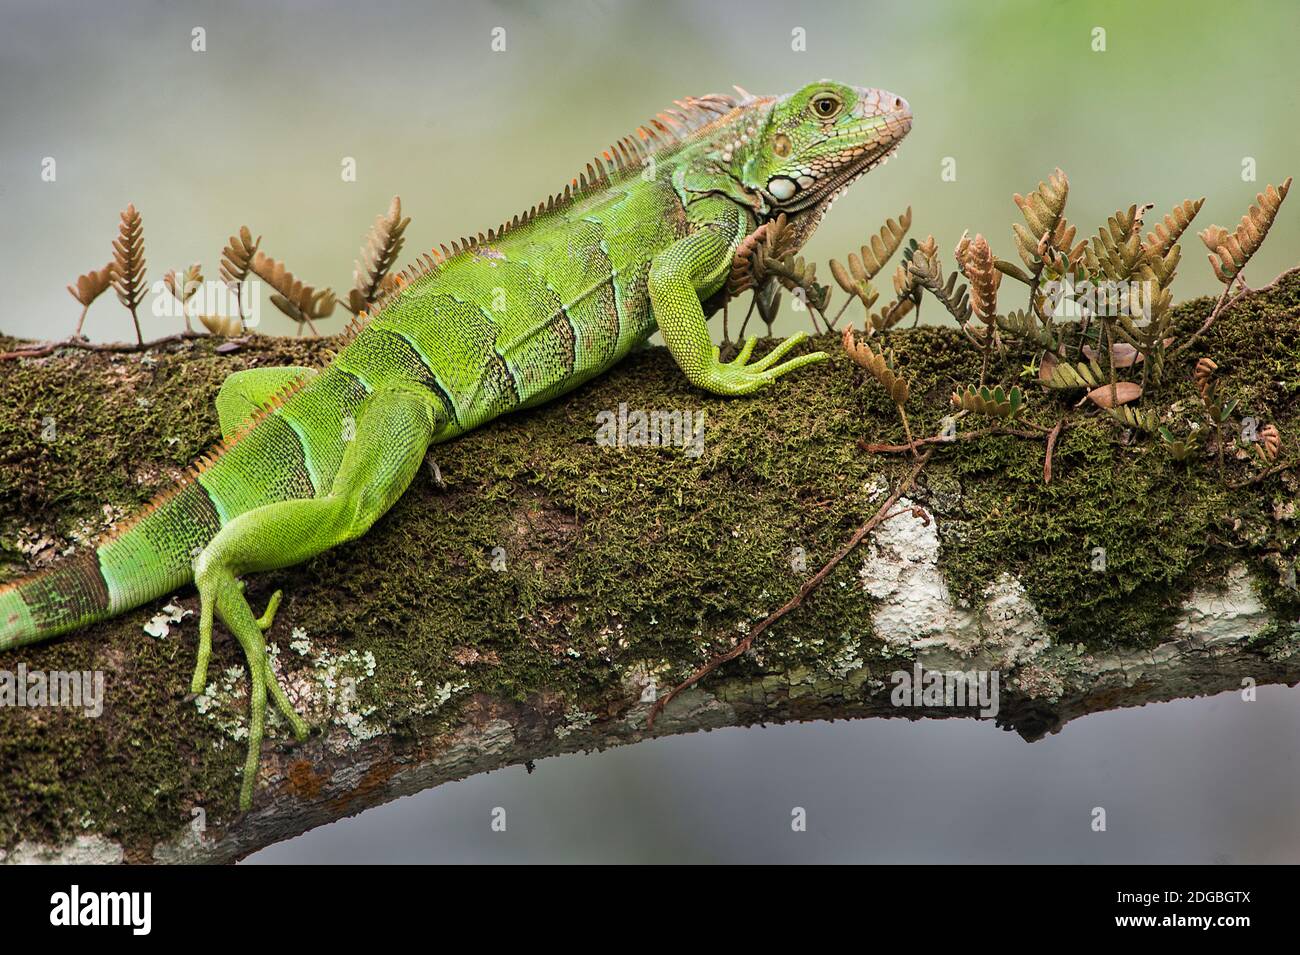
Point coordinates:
[[254, 130]]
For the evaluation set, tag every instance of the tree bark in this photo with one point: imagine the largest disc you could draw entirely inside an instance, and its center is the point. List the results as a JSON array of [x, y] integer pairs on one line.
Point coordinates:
[[535, 591]]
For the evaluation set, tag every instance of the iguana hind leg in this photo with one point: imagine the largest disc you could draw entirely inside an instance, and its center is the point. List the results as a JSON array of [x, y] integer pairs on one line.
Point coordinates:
[[244, 393], [393, 431]]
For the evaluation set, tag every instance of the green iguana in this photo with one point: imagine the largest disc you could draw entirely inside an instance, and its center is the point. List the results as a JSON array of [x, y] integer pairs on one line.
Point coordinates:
[[310, 458]]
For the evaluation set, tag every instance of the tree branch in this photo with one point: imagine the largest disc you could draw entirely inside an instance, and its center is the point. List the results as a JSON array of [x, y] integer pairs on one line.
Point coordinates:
[[543, 597]]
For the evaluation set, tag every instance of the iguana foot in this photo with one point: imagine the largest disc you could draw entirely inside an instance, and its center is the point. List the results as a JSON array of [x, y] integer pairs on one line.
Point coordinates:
[[221, 594], [736, 377]]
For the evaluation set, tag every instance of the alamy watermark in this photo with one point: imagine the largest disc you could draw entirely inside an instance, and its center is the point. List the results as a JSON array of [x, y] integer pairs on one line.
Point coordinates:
[[636, 428], [1067, 299], [74, 689], [934, 688], [75, 907]]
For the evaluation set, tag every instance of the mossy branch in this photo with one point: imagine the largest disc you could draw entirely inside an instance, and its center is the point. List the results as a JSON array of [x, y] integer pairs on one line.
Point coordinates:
[[476, 667]]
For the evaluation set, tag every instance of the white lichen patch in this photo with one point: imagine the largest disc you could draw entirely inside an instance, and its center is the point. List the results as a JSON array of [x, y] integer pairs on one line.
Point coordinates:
[[917, 611], [328, 691], [438, 697], [159, 625], [575, 720], [83, 850], [875, 487], [224, 701], [1229, 614], [901, 570], [325, 693], [1213, 619], [642, 682], [847, 660]]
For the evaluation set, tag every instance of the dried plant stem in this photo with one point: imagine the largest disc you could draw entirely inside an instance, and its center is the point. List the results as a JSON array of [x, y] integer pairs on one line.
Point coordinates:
[[907, 429], [744, 324], [911, 446], [1224, 303], [840, 313], [1052, 437], [1110, 362], [48, 348], [1263, 475], [81, 320], [883, 513], [814, 312]]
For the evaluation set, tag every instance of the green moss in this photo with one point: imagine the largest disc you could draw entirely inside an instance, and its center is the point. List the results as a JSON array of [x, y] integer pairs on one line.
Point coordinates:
[[613, 558]]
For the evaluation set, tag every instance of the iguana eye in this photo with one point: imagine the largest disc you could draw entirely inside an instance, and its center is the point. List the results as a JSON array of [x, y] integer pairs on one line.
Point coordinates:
[[826, 106]]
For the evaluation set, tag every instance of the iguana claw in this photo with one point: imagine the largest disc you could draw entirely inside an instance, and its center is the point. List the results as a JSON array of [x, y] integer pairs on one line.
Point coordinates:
[[737, 377], [222, 594]]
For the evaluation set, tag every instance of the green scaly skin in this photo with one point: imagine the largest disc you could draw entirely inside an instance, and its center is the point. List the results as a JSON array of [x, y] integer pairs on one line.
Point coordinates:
[[311, 458]]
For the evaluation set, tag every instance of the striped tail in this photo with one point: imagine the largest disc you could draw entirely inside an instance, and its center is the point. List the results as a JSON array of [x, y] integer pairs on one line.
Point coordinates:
[[152, 554], [149, 557]]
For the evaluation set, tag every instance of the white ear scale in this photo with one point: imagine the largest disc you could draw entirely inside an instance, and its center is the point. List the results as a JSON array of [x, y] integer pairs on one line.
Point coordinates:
[[782, 188]]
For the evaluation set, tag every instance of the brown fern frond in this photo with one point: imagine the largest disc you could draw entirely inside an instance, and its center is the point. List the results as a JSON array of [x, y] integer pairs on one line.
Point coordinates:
[[797, 275], [994, 402], [1229, 252], [1065, 376], [93, 284], [1270, 442], [301, 302], [237, 262], [1116, 250], [227, 326], [184, 286], [1044, 214], [383, 245], [90, 287], [904, 282], [1140, 216], [237, 256], [890, 315], [975, 259], [925, 267], [1203, 375], [1175, 223], [1021, 324], [845, 279], [128, 261], [1135, 418], [880, 248], [880, 365], [1214, 236], [771, 240]]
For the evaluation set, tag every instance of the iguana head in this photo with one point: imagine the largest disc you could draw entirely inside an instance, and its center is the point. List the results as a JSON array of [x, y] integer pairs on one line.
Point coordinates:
[[819, 140], [808, 147]]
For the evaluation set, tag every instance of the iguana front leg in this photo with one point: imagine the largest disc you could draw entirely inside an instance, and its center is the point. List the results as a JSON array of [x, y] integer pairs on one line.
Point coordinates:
[[393, 431], [678, 275]]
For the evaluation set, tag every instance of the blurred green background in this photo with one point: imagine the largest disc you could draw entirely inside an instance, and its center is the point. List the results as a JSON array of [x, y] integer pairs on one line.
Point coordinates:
[[254, 129]]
